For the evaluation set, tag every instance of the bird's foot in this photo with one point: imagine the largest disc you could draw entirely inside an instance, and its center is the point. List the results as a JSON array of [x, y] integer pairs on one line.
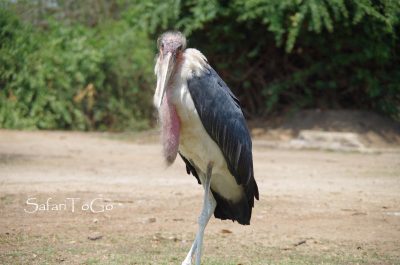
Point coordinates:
[[187, 262], [192, 251]]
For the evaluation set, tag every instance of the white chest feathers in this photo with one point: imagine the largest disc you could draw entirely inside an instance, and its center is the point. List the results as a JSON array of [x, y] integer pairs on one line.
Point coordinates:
[[195, 143]]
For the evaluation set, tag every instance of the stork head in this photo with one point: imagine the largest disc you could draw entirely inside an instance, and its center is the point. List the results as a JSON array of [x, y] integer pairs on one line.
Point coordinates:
[[170, 44]]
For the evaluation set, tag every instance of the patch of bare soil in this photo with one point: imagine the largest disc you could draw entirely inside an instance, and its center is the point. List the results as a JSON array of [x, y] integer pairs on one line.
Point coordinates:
[[372, 129], [316, 206]]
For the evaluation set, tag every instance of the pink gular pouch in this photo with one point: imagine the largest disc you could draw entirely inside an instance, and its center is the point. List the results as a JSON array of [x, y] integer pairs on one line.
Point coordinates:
[[170, 126]]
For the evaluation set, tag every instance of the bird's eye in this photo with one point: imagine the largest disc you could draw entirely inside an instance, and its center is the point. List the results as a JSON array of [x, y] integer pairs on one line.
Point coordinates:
[[162, 45], [180, 47]]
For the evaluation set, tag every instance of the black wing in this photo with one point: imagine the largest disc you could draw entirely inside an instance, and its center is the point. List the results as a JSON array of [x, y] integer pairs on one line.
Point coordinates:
[[190, 168], [223, 119]]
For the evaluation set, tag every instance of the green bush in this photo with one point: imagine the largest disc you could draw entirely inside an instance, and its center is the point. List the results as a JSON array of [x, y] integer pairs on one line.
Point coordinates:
[[74, 77], [125, 96]]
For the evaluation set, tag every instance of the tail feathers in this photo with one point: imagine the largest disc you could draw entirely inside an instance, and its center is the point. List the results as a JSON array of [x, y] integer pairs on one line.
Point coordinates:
[[236, 211]]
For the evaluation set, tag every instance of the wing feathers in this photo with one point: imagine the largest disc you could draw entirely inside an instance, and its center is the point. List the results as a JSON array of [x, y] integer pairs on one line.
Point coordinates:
[[223, 119]]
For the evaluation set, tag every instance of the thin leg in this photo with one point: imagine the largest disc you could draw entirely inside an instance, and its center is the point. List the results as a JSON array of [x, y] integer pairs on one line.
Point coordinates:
[[209, 205], [188, 259]]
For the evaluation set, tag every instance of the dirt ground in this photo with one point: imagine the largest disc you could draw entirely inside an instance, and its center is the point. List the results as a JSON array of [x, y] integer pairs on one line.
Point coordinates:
[[316, 207]]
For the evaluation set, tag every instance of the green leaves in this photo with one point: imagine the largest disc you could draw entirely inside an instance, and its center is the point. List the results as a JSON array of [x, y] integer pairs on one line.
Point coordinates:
[[43, 71], [289, 17], [149, 16]]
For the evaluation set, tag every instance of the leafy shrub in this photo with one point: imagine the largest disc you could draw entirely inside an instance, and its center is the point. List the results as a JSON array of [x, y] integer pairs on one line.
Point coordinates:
[[125, 98], [73, 77]]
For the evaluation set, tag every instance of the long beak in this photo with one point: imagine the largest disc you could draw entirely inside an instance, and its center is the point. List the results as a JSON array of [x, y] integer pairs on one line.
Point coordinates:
[[165, 74]]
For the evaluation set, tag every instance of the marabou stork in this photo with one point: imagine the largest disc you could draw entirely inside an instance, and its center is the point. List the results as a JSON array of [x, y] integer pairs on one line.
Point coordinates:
[[202, 120]]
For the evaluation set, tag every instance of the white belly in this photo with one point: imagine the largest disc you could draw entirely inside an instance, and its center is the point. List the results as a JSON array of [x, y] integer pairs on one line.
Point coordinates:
[[196, 145]]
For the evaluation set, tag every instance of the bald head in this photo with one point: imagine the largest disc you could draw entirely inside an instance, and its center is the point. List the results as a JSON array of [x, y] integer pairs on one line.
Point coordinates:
[[171, 41], [171, 45]]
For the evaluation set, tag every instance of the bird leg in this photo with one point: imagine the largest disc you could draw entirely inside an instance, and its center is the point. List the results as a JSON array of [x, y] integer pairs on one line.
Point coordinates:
[[209, 205]]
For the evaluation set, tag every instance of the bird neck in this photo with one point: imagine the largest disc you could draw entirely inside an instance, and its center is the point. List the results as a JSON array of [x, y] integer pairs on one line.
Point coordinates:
[[194, 63]]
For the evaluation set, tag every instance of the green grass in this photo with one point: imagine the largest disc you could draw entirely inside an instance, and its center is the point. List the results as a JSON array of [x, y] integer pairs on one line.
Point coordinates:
[[125, 249]]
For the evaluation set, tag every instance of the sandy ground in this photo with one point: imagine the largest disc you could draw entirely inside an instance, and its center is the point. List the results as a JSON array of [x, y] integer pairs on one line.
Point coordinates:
[[316, 207]]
